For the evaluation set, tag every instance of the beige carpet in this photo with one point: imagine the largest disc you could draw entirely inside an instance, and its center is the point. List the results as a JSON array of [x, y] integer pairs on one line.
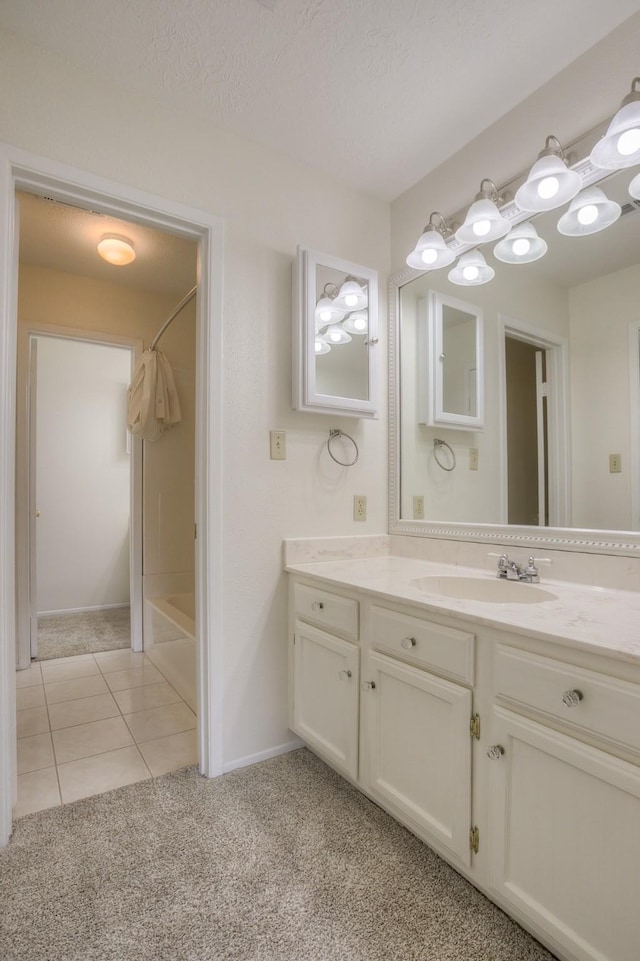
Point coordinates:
[[282, 861], [87, 632]]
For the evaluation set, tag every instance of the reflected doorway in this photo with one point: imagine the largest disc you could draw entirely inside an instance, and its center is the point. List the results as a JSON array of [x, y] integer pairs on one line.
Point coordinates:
[[527, 434]]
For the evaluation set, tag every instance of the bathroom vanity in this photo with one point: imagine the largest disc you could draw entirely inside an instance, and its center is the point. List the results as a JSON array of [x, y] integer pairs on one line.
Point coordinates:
[[505, 733]]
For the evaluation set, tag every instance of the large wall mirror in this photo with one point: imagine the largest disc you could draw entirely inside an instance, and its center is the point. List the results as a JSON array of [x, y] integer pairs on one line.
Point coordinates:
[[558, 460]]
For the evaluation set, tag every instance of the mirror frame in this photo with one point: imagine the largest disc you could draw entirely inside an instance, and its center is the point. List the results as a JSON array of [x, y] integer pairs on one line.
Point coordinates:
[[534, 538], [304, 394]]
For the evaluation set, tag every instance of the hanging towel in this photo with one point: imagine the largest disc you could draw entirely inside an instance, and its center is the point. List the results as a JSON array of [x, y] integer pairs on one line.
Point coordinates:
[[152, 399]]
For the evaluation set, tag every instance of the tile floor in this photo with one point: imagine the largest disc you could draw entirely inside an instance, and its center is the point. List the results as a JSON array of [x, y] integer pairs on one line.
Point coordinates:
[[94, 722]]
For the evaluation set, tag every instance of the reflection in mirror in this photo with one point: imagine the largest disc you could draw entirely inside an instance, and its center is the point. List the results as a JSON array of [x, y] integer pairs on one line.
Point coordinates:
[[459, 367], [561, 441]]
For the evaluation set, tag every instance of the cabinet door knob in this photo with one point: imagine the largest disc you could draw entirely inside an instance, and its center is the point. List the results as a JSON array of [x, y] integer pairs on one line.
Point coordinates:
[[408, 643], [495, 752], [572, 698], [317, 606], [344, 675], [369, 686]]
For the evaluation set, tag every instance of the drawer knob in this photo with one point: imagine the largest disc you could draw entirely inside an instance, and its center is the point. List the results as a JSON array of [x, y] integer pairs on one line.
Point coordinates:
[[344, 675], [369, 686], [408, 642], [495, 752], [317, 606], [572, 698]]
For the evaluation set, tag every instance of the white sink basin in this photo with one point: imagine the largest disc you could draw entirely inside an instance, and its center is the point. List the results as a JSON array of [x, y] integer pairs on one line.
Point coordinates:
[[492, 590]]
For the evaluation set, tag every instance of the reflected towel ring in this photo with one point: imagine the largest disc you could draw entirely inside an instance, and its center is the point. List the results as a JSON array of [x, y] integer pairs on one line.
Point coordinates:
[[437, 444], [336, 432]]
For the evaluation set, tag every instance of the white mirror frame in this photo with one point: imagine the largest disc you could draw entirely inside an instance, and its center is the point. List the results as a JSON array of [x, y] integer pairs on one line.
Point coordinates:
[[536, 538], [305, 395]]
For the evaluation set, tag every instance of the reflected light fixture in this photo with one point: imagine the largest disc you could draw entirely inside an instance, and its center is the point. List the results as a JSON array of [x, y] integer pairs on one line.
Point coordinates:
[[550, 183], [522, 246], [471, 270], [588, 213], [431, 251], [357, 322], [352, 295], [336, 335], [327, 310], [484, 221], [634, 187], [321, 346], [620, 146], [116, 250]]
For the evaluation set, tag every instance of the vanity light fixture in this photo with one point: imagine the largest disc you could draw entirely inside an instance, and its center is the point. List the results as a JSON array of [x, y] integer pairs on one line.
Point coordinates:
[[620, 146], [634, 187], [471, 270], [336, 335], [588, 213], [352, 295], [431, 251], [484, 221], [327, 309], [522, 246], [550, 182], [116, 250], [357, 322]]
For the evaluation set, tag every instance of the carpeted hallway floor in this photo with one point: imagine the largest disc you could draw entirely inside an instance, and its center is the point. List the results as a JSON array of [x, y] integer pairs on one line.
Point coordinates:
[[282, 861], [84, 632]]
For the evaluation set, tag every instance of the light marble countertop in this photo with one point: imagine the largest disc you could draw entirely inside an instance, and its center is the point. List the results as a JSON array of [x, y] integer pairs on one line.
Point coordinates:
[[600, 620]]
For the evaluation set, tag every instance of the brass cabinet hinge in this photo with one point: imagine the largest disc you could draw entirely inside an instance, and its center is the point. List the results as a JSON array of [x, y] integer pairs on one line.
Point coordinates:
[[474, 839], [474, 726]]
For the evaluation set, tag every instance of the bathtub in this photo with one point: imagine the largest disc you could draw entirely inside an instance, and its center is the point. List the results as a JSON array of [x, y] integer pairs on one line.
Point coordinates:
[[170, 641]]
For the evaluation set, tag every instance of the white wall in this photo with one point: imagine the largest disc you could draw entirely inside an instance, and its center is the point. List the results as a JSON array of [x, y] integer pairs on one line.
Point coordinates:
[[82, 475], [270, 205]]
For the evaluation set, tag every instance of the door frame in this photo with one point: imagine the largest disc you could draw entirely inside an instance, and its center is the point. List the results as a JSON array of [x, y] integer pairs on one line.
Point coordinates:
[[25, 477], [20, 170], [559, 468]]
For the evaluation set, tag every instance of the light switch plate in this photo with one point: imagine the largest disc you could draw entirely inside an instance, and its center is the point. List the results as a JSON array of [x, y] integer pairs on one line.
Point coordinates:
[[615, 463], [473, 458], [278, 444]]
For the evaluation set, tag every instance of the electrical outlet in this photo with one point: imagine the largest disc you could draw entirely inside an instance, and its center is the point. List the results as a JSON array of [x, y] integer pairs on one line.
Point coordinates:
[[278, 444], [359, 507], [615, 463], [418, 507], [473, 458]]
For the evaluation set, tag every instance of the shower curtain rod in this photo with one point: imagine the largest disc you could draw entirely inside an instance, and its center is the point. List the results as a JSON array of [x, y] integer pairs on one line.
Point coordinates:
[[183, 303]]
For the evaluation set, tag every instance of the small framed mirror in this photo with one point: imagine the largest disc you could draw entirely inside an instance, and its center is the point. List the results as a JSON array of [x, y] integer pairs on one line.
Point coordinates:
[[335, 330], [452, 385]]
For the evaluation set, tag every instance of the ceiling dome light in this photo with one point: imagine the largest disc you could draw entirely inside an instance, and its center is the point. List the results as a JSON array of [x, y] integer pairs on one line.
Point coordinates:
[[471, 270], [336, 335], [116, 250], [522, 246], [634, 187], [321, 346], [550, 183], [431, 251], [484, 221], [357, 322], [352, 295], [620, 146], [588, 213]]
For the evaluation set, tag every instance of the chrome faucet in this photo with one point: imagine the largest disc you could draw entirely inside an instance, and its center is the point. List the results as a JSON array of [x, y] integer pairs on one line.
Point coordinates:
[[512, 571]]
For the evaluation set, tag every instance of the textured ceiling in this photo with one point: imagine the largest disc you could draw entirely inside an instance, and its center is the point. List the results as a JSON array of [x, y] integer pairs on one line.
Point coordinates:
[[376, 92]]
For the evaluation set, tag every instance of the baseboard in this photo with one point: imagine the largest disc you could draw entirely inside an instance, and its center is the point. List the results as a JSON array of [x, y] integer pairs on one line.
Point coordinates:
[[263, 755], [83, 610]]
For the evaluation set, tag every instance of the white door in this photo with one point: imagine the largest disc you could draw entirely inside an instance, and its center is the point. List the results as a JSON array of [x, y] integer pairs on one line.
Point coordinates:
[[565, 839], [33, 513], [419, 750], [325, 695]]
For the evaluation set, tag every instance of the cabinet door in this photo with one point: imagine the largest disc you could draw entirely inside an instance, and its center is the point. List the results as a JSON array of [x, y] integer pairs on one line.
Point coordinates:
[[565, 839], [419, 750], [325, 695]]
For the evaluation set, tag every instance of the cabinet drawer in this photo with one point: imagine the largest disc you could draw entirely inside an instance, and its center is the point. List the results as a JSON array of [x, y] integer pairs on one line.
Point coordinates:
[[331, 611], [423, 643], [606, 707]]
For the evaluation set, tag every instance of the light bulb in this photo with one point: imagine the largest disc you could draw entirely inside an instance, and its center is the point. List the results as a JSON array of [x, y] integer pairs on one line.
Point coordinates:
[[521, 246], [325, 316], [360, 323], [548, 187], [429, 256], [334, 335], [628, 142], [481, 228], [588, 214], [471, 272], [351, 300]]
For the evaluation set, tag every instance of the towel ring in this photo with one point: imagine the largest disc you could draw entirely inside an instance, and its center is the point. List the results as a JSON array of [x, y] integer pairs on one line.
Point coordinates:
[[336, 432], [437, 444]]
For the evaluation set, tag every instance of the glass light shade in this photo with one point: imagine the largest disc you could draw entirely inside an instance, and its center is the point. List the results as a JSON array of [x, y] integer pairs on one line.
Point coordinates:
[[116, 250], [588, 213], [522, 246], [430, 252], [620, 146], [550, 184], [357, 322], [321, 346], [471, 270], [483, 222], [351, 296], [336, 335], [634, 187], [327, 312]]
